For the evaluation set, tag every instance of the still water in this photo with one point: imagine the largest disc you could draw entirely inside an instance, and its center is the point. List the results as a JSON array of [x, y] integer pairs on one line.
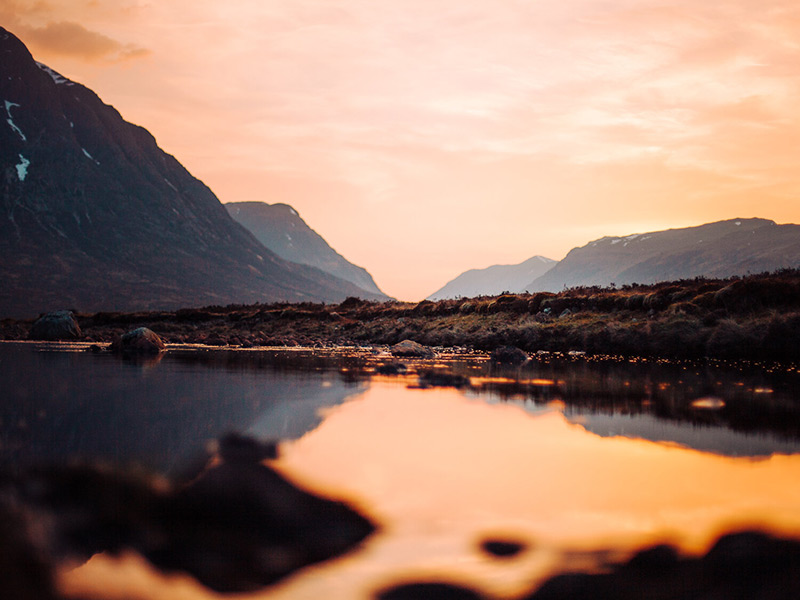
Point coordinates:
[[564, 454]]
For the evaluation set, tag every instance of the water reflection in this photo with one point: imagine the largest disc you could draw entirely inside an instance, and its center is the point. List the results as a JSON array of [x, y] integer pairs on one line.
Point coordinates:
[[510, 457], [62, 405], [444, 472]]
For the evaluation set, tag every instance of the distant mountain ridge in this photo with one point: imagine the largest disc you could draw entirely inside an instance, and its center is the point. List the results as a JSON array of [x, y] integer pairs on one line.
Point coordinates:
[[494, 280], [281, 229], [95, 216], [720, 249]]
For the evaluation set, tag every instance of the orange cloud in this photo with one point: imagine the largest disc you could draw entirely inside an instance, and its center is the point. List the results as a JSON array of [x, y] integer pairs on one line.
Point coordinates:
[[530, 126], [70, 39]]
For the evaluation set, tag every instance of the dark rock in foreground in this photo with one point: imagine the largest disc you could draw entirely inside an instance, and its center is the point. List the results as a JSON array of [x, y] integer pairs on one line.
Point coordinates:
[[502, 548], [58, 325], [138, 341], [740, 566], [24, 570], [432, 590], [238, 527]]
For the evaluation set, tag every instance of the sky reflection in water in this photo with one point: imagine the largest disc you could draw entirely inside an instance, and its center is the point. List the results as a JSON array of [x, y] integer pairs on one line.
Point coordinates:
[[444, 471]]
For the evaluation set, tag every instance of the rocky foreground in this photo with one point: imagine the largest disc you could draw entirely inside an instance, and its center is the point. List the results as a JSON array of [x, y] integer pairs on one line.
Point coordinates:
[[237, 526], [756, 317]]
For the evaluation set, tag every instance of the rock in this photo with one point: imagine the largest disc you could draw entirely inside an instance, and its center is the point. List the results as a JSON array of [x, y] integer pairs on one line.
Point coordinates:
[[238, 526], [428, 590], [502, 548], [392, 368], [26, 572], [740, 565], [413, 349], [58, 325], [138, 341], [237, 448], [508, 355], [442, 379]]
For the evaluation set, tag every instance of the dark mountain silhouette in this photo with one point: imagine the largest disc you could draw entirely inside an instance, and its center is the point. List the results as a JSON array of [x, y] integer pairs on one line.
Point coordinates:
[[280, 228], [494, 280], [95, 216], [719, 250]]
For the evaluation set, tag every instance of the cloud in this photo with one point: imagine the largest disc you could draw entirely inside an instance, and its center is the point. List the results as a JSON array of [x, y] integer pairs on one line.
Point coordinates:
[[71, 39]]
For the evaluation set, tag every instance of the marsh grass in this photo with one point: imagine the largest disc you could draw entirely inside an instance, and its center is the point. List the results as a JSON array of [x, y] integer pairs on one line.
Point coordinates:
[[754, 317]]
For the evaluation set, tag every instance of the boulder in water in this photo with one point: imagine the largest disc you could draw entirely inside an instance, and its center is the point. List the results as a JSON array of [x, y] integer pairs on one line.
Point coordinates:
[[508, 355], [413, 349], [138, 341]]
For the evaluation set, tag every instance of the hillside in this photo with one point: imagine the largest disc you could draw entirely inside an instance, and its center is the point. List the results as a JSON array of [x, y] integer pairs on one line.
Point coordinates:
[[95, 216], [722, 249], [281, 229], [494, 280]]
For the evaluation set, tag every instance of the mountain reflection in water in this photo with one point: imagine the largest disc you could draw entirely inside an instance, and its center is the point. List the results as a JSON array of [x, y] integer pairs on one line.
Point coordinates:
[[59, 406], [443, 470]]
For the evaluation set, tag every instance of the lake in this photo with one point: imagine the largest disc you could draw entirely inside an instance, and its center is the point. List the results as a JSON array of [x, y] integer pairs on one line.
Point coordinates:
[[566, 455]]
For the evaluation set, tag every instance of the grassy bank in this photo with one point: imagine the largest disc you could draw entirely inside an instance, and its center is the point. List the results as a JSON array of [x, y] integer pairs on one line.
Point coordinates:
[[755, 317]]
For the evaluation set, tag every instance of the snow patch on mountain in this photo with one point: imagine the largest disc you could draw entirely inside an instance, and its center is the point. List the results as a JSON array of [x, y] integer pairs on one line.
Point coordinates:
[[57, 77], [22, 168], [10, 120]]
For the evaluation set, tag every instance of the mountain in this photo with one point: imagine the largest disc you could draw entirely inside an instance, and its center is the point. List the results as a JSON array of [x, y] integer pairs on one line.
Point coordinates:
[[95, 216], [721, 249], [280, 228], [494, 280]]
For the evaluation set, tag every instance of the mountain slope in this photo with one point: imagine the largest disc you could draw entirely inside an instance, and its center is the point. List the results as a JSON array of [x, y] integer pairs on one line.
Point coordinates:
[[494, 280], [280, 228], [95, 216], [721, 249]]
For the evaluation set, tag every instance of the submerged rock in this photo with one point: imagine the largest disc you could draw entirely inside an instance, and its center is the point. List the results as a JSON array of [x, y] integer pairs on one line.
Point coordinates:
[[442, 379], [393, 368], [428, 590], [58, 325], [740, 565], [138, 341], [412, 349], [508, 355], [502, 548]]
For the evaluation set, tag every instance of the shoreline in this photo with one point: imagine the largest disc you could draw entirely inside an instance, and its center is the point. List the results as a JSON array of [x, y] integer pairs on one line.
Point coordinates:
[[755, 317]]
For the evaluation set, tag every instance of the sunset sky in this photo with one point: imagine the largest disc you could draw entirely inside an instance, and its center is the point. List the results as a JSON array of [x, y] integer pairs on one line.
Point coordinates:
[[422, 138]]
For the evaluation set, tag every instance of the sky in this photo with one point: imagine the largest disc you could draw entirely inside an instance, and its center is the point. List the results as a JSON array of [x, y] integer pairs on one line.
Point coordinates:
[[422, 138]]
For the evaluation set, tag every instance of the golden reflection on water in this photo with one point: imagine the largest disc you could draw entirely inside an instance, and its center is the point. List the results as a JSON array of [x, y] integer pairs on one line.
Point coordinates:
[[440, 472], [440, 469]]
